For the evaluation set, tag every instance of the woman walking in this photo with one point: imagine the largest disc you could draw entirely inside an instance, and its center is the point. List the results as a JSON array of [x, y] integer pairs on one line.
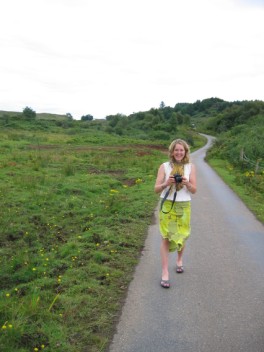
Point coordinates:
[[176, 181]]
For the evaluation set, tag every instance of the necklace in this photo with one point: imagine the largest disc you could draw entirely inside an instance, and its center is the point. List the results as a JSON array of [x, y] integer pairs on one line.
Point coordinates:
[[178, 168]]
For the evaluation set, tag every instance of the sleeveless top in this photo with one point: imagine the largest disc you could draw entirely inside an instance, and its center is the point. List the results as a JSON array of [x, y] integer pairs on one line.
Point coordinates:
[[183, 195]]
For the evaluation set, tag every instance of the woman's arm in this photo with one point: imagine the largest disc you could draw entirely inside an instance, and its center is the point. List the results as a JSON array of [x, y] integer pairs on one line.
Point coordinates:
[[191, 184], [160, 184]]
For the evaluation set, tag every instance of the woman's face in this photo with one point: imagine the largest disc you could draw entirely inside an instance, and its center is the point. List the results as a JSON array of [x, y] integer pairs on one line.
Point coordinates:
[[179, 152]]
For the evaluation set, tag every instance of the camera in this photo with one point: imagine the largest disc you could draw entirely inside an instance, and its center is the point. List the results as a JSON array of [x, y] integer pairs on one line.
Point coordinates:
[[177, 178]]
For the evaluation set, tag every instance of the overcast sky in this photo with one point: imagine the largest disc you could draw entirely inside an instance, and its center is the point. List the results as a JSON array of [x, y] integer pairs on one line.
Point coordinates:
[[104, 57]]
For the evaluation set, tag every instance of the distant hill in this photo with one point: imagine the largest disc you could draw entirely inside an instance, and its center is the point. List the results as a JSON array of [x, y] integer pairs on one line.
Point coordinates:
[[47, 116], [40, 116]]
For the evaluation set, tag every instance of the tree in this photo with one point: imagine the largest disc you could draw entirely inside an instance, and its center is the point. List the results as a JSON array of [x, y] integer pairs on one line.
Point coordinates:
[[162, 105], [114, 119], [179, 118], [87, 118], [186, 120], [173, 121], [69, 116], [29, 113]]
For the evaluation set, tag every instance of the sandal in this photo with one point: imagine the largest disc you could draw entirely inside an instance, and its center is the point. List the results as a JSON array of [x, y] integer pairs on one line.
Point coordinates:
[[179, 269], [165, 283]]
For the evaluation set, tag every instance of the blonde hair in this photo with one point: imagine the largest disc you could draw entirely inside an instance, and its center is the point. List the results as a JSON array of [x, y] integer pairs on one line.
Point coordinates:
[[186, 147]]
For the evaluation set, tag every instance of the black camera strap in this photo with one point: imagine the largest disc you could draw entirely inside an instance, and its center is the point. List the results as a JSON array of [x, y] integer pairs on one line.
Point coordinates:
[[165, 197]]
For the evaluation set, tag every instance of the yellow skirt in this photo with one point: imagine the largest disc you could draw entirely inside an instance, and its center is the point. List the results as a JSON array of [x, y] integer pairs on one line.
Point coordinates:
[[176, 225]]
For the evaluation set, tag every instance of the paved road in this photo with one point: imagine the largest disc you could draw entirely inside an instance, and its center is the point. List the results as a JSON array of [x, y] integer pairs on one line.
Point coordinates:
[[217, 305]]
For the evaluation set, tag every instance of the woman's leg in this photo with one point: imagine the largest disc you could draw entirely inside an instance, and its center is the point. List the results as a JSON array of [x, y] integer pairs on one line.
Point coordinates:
[[164, 252], [179, 258]]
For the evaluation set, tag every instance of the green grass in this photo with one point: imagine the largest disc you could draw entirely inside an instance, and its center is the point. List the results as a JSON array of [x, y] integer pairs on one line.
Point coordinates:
[[46, 116], [76, 204], [248, 186]]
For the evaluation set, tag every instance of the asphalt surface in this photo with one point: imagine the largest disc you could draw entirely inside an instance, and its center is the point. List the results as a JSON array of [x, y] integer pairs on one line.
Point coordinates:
[[217, 304]]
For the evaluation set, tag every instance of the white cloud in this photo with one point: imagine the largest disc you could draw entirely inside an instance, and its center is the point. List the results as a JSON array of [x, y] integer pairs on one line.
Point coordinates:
[[107, 57]]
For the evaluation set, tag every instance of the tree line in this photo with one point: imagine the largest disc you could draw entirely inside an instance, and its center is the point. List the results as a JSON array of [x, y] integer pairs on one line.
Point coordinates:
[[238, 124]]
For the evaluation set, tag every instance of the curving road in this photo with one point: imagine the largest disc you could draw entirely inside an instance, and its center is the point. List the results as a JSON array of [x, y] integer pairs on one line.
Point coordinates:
[[217, 305]]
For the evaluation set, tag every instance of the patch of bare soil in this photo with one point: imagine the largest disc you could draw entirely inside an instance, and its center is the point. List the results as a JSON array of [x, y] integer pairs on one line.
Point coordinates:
[[143, 147]]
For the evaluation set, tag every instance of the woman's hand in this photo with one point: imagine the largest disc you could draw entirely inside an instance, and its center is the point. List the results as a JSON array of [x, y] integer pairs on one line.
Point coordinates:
[[171, 181], [185, 181], [189, 185]]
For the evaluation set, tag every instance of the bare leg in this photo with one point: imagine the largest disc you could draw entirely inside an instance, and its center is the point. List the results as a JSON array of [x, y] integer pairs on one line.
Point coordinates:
[[179, 259], [164, 252]]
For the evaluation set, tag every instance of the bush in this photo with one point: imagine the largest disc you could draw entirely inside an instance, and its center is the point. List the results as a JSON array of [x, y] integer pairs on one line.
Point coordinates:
[[29, 113]]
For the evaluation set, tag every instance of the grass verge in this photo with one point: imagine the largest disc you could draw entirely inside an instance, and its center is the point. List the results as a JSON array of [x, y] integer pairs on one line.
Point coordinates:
[[245, 184]]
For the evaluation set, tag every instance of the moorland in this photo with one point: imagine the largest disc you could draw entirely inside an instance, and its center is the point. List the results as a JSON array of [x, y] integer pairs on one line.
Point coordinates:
[[76, 202]]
